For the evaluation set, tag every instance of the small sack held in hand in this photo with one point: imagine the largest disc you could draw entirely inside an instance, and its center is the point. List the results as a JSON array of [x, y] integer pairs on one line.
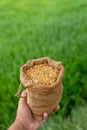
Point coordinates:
[[42, 97]]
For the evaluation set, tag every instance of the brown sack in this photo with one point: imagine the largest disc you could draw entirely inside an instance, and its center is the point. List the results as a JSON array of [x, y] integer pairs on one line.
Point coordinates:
[[42, 98]]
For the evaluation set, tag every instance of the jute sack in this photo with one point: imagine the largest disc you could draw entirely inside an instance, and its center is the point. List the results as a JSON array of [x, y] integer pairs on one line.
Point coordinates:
[[42, 98]]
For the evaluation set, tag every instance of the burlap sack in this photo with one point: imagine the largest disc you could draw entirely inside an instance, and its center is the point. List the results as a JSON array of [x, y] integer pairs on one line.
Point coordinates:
[[42, 98]]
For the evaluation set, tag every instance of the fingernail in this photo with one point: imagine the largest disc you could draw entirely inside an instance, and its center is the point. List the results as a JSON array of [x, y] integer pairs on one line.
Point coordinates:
[[45, 115]]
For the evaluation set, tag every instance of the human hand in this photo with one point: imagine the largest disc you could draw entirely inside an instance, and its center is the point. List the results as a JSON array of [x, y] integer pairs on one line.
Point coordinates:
[[24, 116]]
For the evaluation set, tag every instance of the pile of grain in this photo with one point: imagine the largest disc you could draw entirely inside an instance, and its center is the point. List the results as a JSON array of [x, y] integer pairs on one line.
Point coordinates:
[[42, 74]]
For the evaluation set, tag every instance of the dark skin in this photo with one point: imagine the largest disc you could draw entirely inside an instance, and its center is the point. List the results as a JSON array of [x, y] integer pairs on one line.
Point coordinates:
[[24, 119]]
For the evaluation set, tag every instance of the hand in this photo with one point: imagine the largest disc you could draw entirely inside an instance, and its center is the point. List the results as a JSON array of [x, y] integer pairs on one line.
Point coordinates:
[[24, 115]]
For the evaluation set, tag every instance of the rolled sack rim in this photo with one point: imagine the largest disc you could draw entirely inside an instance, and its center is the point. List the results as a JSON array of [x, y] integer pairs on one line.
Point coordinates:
[[25, 80]]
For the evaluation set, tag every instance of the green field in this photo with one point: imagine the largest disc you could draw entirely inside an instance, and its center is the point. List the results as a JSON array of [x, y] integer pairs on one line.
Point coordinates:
[[53, 28]]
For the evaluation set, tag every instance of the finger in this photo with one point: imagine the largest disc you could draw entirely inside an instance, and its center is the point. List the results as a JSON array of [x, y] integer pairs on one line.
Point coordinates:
[[42, 121], [56, 109], [45, 116], [23, 98]]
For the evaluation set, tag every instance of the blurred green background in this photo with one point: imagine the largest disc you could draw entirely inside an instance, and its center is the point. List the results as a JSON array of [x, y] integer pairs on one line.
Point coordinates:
[[35, 28]]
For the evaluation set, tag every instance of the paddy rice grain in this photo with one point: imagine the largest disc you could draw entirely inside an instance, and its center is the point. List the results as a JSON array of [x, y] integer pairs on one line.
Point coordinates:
[[42, 74]]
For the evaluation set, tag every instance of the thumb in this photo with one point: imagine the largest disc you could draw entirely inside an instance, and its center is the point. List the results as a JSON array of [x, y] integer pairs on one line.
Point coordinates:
[[22, 100]]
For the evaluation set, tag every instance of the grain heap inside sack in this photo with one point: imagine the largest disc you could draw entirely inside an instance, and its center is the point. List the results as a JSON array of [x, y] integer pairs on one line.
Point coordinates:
[[42, 74]]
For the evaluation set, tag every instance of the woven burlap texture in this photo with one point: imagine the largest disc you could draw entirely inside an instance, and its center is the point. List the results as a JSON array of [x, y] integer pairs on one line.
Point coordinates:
[[42, 98]]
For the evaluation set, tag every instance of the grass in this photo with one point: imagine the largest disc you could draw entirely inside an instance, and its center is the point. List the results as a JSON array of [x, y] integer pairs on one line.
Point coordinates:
[[33, 29], [77, 121]]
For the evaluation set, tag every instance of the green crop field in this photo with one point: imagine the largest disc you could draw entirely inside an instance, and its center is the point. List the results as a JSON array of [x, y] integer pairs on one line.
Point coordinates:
[[30, 29]]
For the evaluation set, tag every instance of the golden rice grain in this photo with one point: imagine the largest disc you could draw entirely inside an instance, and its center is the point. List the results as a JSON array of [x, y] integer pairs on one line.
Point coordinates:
[[42, 74]]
